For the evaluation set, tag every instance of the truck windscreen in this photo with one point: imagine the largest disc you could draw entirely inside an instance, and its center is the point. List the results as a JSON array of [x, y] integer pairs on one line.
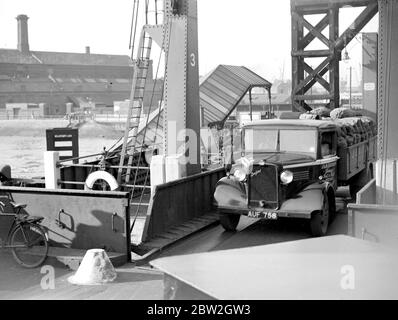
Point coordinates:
[[259, 140], [298, 141]]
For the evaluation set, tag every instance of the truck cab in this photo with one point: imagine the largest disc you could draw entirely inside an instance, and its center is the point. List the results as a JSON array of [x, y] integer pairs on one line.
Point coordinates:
[[288, 169]]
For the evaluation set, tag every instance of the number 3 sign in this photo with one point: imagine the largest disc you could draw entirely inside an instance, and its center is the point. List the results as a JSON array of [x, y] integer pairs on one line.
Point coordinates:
[[193, 60]]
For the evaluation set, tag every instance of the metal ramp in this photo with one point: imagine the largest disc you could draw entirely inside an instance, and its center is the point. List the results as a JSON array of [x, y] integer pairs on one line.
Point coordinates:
[[144, 251], [173, 214]]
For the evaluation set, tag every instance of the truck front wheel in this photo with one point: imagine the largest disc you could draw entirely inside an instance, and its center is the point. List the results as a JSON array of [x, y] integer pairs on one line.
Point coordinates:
[[320, 219], [229, 221]]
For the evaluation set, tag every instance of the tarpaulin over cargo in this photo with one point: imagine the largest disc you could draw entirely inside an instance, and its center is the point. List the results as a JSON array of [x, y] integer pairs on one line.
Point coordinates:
[[223, 89]]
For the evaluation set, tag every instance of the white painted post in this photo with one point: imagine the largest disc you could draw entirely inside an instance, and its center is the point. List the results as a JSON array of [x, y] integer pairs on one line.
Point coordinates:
[[51, 172], [175, 168], [386, 181], [158, 174]]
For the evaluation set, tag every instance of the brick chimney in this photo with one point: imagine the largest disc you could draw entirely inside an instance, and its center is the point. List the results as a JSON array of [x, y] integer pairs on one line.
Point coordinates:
[[23, 39]]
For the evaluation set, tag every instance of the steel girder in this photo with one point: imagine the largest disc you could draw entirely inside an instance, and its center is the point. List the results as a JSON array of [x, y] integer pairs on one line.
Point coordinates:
[[304, 77]]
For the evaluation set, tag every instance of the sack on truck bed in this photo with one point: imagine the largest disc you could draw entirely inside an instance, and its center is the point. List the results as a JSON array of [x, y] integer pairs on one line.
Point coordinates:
[[309, 116], [322, 112], [353, 130], [341, 113]]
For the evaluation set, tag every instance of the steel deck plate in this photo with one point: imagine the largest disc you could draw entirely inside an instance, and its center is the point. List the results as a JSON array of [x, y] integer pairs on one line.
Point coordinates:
[[306, 269]]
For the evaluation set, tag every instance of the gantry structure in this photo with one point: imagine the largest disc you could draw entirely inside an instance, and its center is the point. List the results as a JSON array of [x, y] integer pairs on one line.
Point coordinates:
[[304, 76]]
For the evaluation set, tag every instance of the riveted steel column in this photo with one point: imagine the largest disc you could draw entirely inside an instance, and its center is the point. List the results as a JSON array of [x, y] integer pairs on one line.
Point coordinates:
[[369, 73], [388, 101], [182, 108]]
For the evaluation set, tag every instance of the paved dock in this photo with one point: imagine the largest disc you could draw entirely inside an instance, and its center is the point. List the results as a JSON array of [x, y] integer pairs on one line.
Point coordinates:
[[132, 283]]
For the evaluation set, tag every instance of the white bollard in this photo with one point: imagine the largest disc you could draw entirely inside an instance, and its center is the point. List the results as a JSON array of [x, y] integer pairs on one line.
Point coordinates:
[[95, 269], [158, 174], [175, 168], [51, 172]]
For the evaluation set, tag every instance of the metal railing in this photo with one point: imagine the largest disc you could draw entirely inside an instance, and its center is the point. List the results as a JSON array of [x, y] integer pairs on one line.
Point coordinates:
[[10, 116]]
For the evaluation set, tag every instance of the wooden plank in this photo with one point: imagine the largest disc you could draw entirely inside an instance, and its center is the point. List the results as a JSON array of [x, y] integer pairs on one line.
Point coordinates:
[[334, 66], [311, 76], [316, 4], [311, 53], [311, 28], [313, 97], [349, 34], [297, 69], [313, 81], [320, 26], [319, 78]]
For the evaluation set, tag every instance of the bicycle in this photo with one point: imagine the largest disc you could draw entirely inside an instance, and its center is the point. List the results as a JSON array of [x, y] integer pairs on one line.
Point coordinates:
[[26, 237]]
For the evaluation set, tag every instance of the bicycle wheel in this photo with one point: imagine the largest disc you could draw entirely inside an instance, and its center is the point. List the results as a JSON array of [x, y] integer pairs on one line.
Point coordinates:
[[29, 245]]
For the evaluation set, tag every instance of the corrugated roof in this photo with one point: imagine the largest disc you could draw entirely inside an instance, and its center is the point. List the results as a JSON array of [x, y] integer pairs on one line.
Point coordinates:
[[63, 58], [223, 89]]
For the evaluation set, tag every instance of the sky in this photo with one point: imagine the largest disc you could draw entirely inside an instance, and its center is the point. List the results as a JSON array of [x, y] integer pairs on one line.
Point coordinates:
[[254, 33]]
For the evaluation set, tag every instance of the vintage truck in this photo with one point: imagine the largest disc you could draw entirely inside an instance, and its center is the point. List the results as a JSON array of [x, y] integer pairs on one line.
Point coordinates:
[[291, 169]]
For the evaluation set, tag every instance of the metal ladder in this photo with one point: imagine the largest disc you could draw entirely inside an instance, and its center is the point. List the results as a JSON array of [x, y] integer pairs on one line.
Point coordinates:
[[142, 64], [134, 172], [135, 109]]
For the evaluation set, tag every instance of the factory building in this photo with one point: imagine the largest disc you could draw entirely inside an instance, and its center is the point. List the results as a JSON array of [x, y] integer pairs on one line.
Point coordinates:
[[56, 83]]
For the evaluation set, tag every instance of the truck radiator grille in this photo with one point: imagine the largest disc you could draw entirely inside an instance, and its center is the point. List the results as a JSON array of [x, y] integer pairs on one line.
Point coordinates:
[[301, 175], [263, 186]]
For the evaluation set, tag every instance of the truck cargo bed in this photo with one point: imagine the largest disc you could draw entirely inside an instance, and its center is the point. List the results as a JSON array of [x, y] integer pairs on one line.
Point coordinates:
[[355, 158]]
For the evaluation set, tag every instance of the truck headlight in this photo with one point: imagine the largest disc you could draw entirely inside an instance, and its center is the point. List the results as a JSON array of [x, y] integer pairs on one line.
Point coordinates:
[[286, 177], [240, 174]]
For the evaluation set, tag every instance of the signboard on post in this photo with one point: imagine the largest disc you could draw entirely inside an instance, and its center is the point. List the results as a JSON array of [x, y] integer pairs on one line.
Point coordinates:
[[64, 140]]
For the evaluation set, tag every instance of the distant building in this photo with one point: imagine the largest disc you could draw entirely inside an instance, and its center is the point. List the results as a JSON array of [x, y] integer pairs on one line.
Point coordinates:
[[356, 100], [58, 79], [281, 87]]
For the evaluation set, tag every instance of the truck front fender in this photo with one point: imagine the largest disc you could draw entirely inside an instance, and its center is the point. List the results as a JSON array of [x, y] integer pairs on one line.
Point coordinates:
[[230, 193], [310, 199]]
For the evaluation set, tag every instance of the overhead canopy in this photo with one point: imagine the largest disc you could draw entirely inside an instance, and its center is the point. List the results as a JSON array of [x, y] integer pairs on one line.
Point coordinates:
[[223, 89]]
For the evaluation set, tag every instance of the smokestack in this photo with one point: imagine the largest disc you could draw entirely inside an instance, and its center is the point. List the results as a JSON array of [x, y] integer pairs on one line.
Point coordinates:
[[87, 50], [23, 39]]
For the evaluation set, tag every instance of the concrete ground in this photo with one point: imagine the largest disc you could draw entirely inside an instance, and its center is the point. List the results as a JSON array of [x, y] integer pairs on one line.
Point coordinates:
[[144, 283], [17, 282]]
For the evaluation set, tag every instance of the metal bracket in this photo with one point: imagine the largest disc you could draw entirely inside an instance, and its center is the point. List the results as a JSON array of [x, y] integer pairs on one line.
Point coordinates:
[[113, 222], [58, 221]]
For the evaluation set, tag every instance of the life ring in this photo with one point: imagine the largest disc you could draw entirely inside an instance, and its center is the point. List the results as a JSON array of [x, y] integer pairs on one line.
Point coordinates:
[[101, 175]]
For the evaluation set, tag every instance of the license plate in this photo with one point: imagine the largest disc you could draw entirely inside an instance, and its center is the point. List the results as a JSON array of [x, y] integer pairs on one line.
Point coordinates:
[[263, 215]]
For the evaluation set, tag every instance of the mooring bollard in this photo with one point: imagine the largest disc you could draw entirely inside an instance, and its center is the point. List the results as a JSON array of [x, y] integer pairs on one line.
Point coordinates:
[[95, 269]]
